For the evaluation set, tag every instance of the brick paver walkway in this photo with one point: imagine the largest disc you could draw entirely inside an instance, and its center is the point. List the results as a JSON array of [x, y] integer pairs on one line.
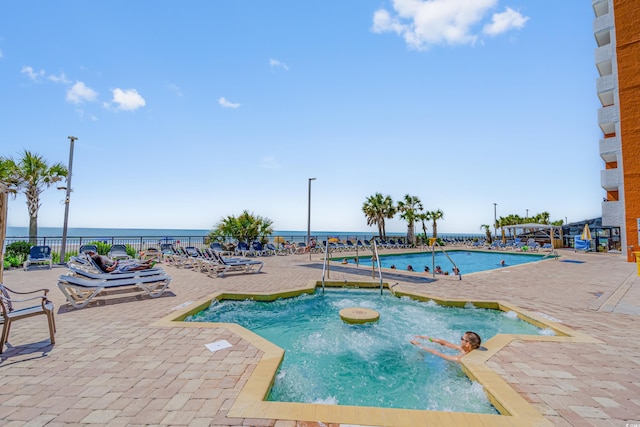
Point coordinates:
[[110, 366]]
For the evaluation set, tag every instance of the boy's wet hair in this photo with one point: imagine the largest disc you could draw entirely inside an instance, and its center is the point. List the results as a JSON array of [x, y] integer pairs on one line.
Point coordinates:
[[474, 339]]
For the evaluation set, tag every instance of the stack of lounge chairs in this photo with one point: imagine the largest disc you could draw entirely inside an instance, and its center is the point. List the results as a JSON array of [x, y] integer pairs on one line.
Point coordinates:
[[85, 280]]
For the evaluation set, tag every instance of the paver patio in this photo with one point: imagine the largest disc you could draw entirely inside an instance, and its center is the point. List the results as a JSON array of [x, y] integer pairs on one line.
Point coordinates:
[[111, 366]]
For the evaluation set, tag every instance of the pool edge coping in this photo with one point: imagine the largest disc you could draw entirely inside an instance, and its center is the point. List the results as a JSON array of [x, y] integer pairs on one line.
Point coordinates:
[[250, 403]]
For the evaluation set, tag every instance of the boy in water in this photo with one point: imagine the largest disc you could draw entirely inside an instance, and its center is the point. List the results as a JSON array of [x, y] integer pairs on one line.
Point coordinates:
[[468, 342]]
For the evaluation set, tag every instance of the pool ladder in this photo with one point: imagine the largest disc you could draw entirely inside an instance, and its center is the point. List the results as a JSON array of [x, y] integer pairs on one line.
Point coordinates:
[[553, 253], [374, 249], [433, 259]]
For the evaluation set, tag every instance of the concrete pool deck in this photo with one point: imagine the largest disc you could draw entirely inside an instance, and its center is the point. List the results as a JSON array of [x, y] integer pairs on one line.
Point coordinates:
[[111, 366]]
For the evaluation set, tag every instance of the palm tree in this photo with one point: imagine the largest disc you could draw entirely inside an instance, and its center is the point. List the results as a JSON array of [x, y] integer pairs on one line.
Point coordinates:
[[31, 175], [487, 231], [409, 210], [423, 216], [377, 208], [247, 227], [434, 216]]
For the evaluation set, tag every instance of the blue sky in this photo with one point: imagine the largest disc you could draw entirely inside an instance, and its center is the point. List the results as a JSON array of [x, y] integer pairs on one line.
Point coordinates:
[[186, 112]]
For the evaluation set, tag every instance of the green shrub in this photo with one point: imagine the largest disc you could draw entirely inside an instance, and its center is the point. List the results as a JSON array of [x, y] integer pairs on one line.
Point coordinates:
[[18, 249], [103, 248], [55, 256], [132, 252], [14, 261]]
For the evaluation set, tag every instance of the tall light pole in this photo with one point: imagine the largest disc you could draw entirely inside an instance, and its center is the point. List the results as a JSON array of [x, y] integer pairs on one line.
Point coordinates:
[[495, 221], [309, 220], [66, 202], [527, 214]]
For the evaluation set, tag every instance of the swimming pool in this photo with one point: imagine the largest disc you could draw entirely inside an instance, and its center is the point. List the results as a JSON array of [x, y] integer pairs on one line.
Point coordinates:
[[467, 261], [329, 361]]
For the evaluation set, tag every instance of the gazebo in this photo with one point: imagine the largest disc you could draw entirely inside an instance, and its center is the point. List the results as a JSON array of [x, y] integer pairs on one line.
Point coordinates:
[[547, 233]]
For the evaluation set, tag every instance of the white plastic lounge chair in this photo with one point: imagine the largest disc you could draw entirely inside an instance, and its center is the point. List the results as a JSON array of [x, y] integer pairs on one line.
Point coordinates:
[[80, 291], [39, 255], [12, 309], [81, 272], [245, 265], [118, 252]]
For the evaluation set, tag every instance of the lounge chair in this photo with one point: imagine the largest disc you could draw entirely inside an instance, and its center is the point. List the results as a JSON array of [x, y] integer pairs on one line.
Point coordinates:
[[87, 248], [245, 265], [118, 252], [258, 249], [242, 249], [80, 291], [151, 253], [39, 255], [81, 272], [11, 309]]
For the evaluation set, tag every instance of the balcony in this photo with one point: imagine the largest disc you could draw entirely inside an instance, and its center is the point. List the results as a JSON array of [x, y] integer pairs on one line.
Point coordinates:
[[609, 149], [611, 179], [605, 87], [602, 29], [600, 7], [604, 59], [612, 214], [607, 119]]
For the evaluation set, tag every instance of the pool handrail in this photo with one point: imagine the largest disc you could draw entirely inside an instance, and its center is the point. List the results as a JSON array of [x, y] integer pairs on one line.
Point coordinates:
[[433, 259], [324, 263], [375, 254]]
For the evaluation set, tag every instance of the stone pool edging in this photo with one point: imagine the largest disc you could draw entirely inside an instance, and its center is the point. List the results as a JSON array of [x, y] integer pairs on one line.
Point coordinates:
[[250, 403]]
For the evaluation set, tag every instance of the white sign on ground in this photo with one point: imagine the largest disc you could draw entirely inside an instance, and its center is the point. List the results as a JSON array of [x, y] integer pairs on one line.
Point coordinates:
[[218, 345]]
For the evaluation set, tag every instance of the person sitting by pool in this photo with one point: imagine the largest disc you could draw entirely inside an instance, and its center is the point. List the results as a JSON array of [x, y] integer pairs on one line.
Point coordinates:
[[108, 265], [344, 261], [438, 270], [410, 267], [393, 266], [468, 342], [456, 270], [426, 269]]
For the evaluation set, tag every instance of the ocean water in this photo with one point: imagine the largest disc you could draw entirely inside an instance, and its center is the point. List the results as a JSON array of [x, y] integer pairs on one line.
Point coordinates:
[[160, 232]]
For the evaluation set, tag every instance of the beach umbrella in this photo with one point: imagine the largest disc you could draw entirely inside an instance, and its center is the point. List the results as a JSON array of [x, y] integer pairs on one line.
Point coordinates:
[[586, 233]]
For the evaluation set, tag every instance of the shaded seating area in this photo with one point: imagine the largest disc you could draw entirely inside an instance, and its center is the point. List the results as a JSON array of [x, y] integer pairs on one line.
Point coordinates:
[[15, 305], [39, 255]]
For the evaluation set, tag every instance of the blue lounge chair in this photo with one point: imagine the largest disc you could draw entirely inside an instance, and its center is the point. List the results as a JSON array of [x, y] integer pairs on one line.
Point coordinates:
[[39, 255], [245, 265], [118, 252]]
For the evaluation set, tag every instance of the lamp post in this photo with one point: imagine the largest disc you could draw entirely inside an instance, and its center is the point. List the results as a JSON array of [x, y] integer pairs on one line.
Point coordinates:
[[63, 248], [527, 214], [495, 221], [309, 220]]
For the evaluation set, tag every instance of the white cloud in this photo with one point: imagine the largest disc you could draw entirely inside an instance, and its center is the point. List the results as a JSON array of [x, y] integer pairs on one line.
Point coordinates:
[[505, 21], [175, 89], [79, 93], [424, 23], [227, 104], [274, 63], [33, 75], [269, 162], [127, 100], [62, 78]]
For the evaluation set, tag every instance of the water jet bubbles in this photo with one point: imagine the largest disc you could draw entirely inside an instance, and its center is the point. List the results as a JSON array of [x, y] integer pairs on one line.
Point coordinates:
[[510, 314], [469, 305], [548, 332]]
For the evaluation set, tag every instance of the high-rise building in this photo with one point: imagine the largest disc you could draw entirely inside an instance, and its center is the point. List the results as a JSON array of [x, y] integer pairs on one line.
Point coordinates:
[[617, 32]]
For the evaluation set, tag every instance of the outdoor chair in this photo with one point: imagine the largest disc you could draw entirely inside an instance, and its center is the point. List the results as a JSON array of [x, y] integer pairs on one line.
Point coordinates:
[[118, 252], [12, 309], [39, 255]]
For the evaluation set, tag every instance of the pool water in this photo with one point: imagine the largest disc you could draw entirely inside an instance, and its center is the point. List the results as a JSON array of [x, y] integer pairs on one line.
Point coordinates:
[[467, 261], [329, 361]]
